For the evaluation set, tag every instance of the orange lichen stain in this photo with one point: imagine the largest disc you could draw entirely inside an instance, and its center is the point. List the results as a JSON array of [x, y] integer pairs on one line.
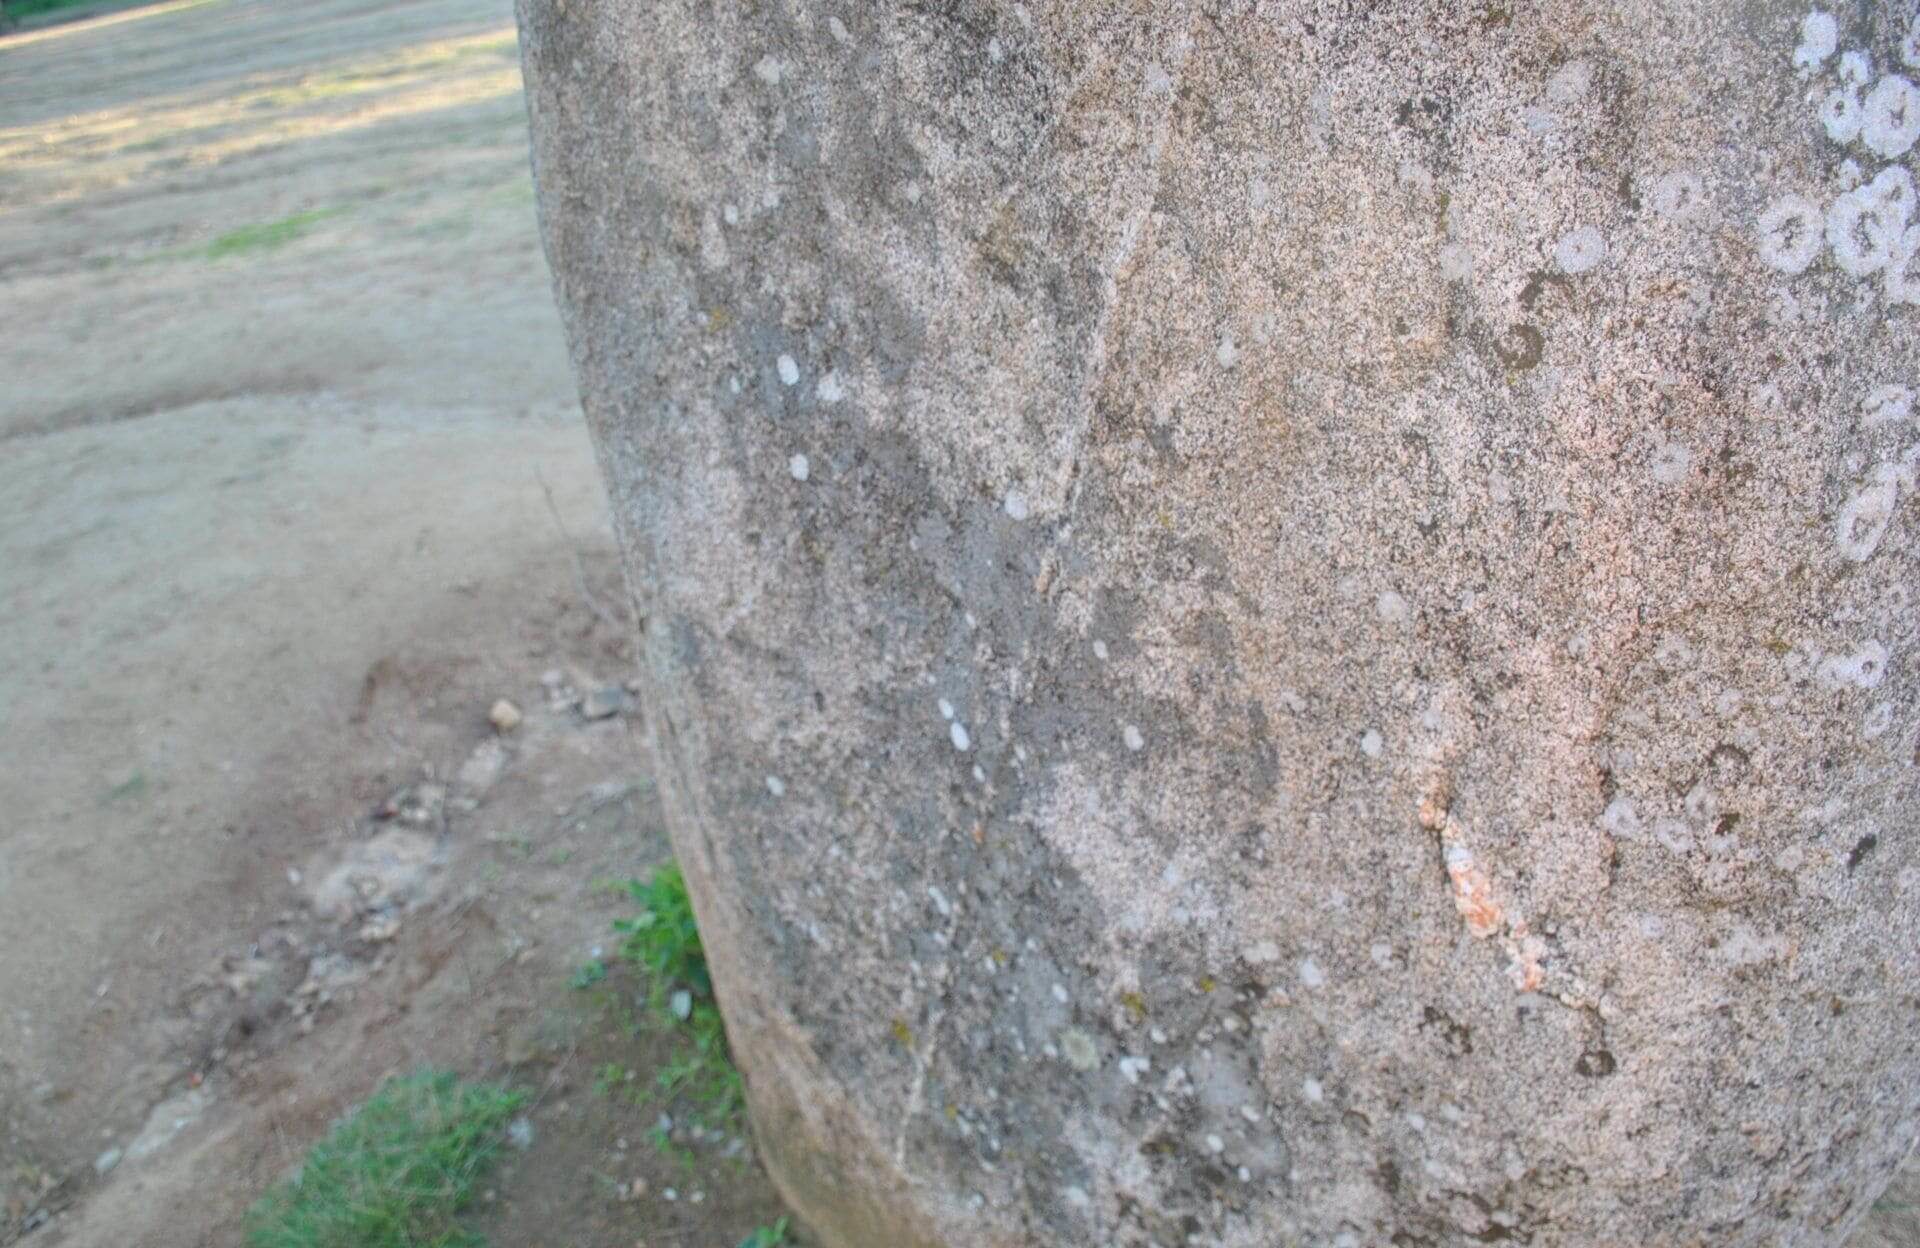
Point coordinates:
[[1527, 951], [1473, 893], [1473, 898]]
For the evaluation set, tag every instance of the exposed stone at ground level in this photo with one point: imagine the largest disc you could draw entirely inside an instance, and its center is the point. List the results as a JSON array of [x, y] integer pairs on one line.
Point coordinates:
[[1274, 623]]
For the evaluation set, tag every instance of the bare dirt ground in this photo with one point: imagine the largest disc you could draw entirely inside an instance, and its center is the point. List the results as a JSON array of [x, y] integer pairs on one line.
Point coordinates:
[[281, 391], [282, 395]]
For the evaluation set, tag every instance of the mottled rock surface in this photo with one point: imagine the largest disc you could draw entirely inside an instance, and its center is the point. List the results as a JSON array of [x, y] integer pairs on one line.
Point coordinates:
[[1274, 623]]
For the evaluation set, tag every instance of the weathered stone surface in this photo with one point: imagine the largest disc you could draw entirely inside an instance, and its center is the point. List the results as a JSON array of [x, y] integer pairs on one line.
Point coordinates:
[[1273, 623]]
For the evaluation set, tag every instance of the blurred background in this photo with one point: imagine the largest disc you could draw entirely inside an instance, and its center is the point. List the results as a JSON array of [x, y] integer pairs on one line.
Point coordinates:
[[294, 491]]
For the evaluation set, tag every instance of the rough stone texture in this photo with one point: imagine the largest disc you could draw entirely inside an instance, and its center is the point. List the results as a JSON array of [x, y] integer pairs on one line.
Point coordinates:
[[1274, 623]]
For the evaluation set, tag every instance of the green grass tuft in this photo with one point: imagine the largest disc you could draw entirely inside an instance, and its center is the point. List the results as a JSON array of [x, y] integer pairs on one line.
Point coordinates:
[[267, 234], [664, 941], [133, 786], [394, 1172], [773, 1236], [28, 8]]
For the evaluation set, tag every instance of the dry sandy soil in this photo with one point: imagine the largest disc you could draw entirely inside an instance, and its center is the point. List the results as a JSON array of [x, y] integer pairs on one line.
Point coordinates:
[[281, 394]]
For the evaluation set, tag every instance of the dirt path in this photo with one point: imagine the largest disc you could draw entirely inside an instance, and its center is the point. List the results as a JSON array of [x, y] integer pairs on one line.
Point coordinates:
[[284, 394]]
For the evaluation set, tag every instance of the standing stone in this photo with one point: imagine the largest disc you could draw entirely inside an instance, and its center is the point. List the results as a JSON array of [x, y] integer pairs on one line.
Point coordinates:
[[1273, 623]]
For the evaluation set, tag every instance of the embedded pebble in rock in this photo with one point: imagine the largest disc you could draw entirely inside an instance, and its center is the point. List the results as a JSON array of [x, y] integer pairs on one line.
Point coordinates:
[[1374, 546], [167, 1120], [1078, 1049], [504, 715], [606, 702], [389, 871], [483, 768]]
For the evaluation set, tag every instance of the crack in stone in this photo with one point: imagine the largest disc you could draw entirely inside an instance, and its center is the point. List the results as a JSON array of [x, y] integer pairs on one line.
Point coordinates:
[[917, 1094], [1072, 480]]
